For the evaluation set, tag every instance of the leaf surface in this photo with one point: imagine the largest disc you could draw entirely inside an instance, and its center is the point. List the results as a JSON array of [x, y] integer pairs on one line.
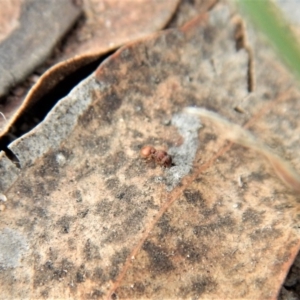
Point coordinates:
[[89, 218]]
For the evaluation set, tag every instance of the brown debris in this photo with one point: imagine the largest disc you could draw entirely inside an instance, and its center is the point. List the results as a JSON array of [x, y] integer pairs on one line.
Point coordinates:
[[160, 157]]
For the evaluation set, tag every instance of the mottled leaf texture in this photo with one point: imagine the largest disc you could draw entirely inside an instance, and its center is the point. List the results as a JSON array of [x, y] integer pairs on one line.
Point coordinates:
[[106, 25], [86, 217]]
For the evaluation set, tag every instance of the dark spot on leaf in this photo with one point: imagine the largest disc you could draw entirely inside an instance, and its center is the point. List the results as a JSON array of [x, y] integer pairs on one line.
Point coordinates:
[[51, 184], [198, 286], [127, 193], [91, 251], [114, 271], [58, 274], [109, 104], [25, 189], [84, 170], [137, 134], [202, 284], [126, 55], [283, 206], [50, 271], [116, 235], [265, 234], [224, 223], [51, 166], [209, 137], [77, 195], [207, 212], [96, 145], [159, 261], [194, 198], [26, 223], [89, 115], [95, 294], [45, 293], [65, 223], [260, 282], [258, 176], [40, 187], [72, 244], [205, 230], [136, 168], [104, 77], [139, 288], [114, 296], [165, 227], [153, 58], [120, 195], [99, 276], [114, 163], [174, 38], [80, 277], [40, 212], [112, 184], [117, 260], [209, 34], [150, 204], [191, 252], [103, 207], [113, 65], [134, 221], [83, 213], [49, 265], [252, 216], [66, 265]]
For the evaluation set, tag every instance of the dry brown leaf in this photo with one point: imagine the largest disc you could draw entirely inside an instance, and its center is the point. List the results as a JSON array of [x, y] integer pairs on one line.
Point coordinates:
[[88, 218], [111, 23], [108, 24], [25, 45], [188, 10], [9, 14], [241, 136]]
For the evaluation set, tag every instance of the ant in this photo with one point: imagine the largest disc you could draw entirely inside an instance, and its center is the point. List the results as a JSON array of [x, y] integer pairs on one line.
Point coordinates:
[[161, 157]]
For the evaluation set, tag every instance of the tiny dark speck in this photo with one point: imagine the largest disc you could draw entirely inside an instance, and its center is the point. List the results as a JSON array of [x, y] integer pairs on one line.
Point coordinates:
[[252, 216], [203, 284], [112, 102], [114, 296], [120, 195], [209, 34], [194, 197], [79, 277]]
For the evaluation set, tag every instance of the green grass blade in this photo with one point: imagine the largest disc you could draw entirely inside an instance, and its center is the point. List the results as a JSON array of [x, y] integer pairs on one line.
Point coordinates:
[[269, 20]]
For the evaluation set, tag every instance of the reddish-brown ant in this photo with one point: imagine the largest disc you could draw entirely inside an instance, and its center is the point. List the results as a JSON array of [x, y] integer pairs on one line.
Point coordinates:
[[160, 157]]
